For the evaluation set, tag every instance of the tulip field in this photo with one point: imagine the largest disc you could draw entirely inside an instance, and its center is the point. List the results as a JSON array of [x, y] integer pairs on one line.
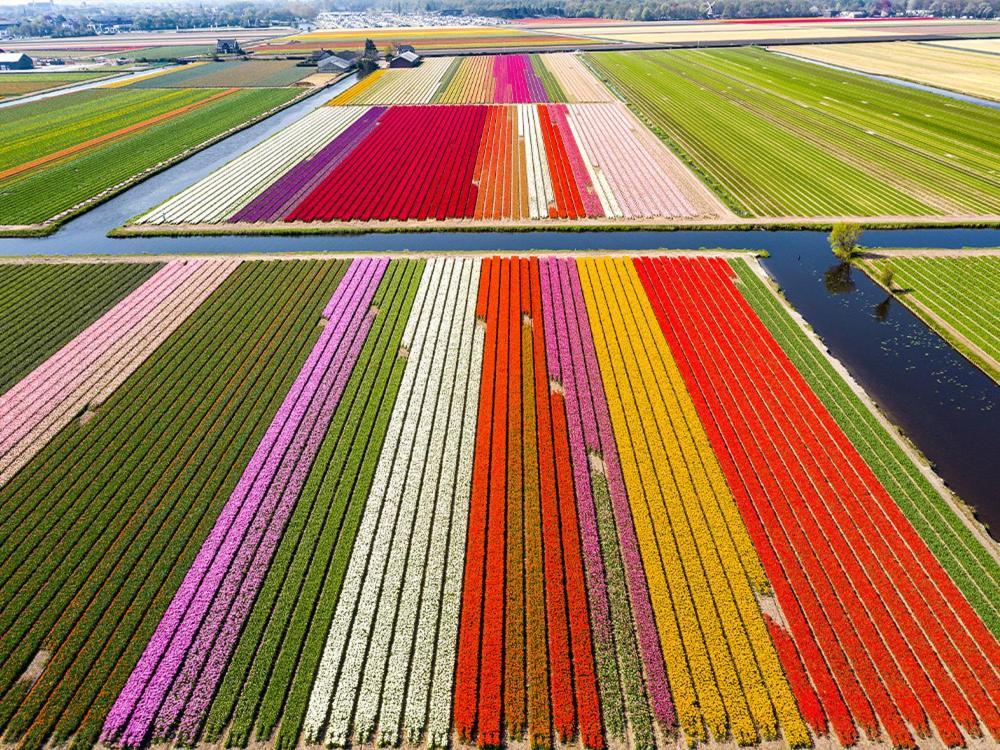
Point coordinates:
[[606, 502], [477, 38], [480, 163], [482, 79], [780, 137], [241, 74]]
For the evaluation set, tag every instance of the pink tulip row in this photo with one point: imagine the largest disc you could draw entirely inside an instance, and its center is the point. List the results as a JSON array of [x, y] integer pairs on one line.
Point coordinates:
[[89, 368], [169, 691], [572, 360], [638, 171]]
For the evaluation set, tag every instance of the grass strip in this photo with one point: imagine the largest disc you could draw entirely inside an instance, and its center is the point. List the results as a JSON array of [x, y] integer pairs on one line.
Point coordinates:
[[969, 564]]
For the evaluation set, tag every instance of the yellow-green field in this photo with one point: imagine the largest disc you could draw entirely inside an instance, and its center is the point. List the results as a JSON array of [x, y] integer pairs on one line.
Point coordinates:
[[969, 72]]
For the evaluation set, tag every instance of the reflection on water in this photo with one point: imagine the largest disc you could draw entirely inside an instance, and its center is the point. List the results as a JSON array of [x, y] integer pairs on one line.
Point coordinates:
[[881, 311], [838, 279], [947, 406]]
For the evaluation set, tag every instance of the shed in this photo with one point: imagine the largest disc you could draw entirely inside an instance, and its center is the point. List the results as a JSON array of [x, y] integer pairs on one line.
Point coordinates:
[[405, 60], [347, 54], [319, 54], [227, 47], [334, 64], [15, 61]]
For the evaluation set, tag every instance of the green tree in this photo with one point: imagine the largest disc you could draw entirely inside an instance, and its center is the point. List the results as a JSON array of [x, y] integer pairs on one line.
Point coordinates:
[[844, 240]]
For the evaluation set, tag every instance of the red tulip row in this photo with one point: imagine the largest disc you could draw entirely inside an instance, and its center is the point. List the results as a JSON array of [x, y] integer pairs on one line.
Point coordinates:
[[497, 694], [899, 644], [569, 203], [401, 170]]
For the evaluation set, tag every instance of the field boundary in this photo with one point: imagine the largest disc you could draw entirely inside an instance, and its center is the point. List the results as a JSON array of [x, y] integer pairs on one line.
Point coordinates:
[[278, 255], [964, 512], [51, 225], [819, 223]]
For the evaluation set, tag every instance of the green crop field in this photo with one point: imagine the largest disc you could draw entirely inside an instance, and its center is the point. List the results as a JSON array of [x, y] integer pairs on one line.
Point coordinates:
[[174, 440], [167, 52], [957, 297], [19, 84], [43, 306], [780, 137], [80, 125]]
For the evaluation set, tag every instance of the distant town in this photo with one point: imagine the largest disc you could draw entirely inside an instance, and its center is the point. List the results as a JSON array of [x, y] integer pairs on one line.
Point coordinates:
[[57, 20]]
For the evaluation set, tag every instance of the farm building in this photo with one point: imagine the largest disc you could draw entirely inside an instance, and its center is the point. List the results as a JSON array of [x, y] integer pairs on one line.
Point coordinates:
[[228, 47], [15, 61], [405, 60], [334, 64]]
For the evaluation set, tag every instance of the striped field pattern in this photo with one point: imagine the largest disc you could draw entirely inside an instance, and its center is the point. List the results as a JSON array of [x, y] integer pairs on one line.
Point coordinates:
[[449, 162], [471, 501]]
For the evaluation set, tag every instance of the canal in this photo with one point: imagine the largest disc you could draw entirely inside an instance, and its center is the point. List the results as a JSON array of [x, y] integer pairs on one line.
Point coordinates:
[[948, 407]]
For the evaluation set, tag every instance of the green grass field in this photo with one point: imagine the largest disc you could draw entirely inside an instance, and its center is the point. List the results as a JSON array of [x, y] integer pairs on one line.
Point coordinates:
[[167, 52], [780, 137], [149, 474], [43, 306], [964, 293], [970, 565], [20, 84], [38, 129]]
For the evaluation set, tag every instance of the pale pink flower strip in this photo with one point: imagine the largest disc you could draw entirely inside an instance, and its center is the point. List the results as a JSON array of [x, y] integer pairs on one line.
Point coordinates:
[[92, 384]]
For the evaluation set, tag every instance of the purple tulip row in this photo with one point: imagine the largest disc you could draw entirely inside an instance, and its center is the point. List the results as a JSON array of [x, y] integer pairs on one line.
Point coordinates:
[[282, 196], [515, 80], [572, 360], [172, 686]]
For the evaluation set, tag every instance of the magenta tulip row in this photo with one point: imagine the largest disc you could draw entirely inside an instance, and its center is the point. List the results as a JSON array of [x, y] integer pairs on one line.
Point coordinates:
[[572, 359]]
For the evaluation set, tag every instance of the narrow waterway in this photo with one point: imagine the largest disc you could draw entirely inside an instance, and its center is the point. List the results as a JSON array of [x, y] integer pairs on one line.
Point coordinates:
[[948, 407]]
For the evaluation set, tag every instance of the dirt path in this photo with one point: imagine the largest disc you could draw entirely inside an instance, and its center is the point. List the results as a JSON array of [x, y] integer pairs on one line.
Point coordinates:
[[929, 252], [278, 255]]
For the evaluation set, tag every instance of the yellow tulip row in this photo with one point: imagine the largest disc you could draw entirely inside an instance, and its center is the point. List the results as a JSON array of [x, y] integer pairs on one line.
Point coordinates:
[[702, 568]]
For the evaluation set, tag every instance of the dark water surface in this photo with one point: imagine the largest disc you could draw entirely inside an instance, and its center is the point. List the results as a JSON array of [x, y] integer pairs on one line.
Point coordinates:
[[948, 407]]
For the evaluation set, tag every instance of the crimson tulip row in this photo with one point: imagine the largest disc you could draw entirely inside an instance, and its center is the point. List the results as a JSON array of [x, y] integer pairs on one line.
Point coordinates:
[[833, 549]]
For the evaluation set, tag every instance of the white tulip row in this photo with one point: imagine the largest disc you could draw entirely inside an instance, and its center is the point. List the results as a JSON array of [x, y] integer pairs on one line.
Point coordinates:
[[225, 191], [457, 483], [407, 86], [402, 535], [540, 193], [389, 608], [575, 79]]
